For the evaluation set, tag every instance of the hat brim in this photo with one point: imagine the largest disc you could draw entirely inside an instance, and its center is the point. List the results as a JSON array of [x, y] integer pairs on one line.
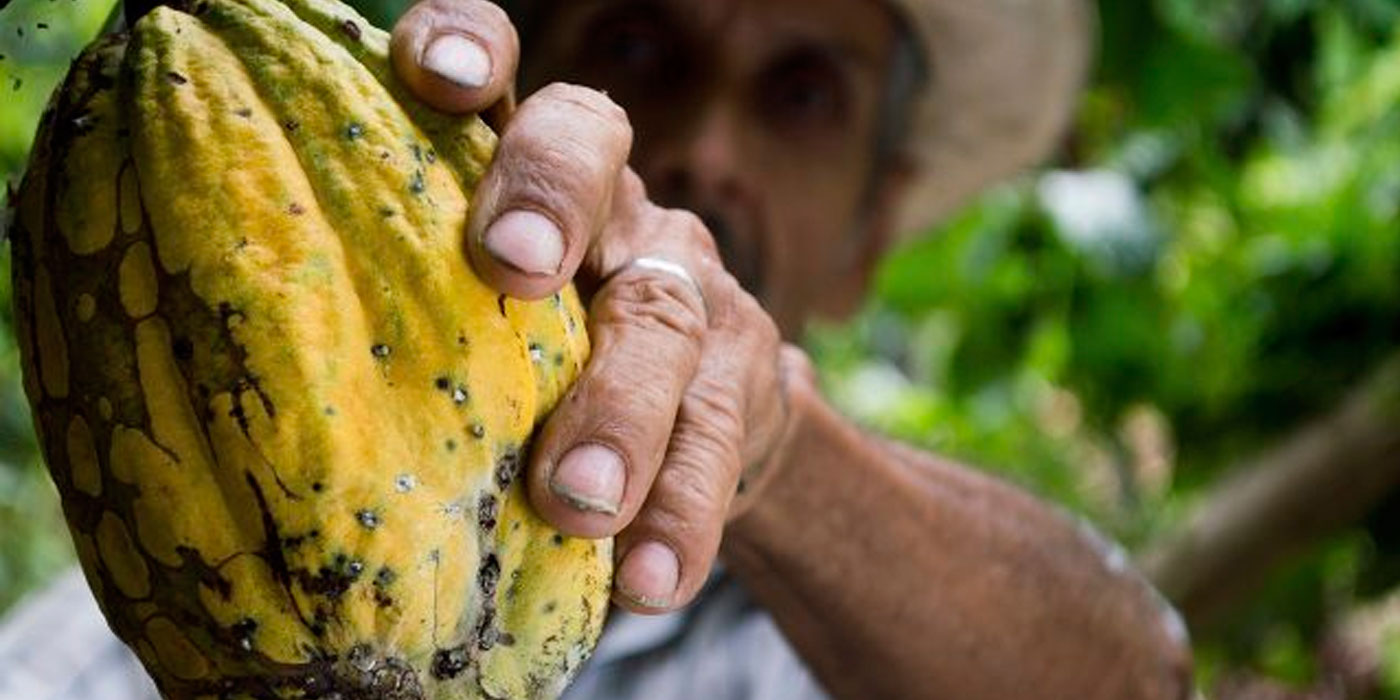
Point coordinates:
[[1004, 76]]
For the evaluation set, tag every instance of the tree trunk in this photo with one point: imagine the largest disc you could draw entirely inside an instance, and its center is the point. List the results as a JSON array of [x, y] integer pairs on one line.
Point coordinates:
[[1327, 475]]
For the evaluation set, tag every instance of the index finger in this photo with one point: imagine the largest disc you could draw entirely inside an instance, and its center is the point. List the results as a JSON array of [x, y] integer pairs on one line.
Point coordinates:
[[550, 190], [457, 56]]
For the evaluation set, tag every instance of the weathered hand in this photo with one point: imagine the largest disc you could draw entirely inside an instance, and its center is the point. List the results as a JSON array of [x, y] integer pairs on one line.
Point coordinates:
[[685, 388]]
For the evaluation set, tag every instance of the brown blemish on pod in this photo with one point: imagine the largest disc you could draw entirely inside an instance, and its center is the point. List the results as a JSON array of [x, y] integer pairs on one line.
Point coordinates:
[[350, 29]]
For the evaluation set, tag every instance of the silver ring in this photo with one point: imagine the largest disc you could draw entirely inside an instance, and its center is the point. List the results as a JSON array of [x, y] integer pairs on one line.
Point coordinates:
[[670, 268]]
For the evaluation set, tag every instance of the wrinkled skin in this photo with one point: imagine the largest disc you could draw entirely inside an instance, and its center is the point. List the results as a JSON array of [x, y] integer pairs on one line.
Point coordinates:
[[693, 419]]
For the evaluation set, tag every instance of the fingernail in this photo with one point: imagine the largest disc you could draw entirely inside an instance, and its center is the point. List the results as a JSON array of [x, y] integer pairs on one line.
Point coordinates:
[[591, 478], [527, 241], [458, 60], [649, 574]]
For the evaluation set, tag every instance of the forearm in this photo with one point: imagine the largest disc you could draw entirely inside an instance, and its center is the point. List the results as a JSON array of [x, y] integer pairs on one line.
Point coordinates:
[[896, 575]]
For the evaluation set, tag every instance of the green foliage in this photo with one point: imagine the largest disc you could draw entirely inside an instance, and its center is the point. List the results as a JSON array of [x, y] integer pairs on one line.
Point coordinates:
[[38, 38]]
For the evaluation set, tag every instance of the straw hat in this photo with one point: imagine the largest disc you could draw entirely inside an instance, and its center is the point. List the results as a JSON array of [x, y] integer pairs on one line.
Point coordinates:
[[1004, 77]]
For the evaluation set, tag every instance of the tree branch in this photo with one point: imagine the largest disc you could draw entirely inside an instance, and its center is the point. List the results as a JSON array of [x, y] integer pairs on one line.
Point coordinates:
[[1327, 475]]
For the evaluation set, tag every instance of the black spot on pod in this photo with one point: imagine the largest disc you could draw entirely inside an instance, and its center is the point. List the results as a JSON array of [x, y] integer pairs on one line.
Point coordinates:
[[449, 663], [243, 631], [295, 209], [507, 468], [183, 349], [380, 350], [176, 78], [489, 574], [19, 83], [487, 510], [486, 632], [42, 25], [318, 487], [478, 431], [442, 383], [367, 518], [384, 577], [351, 29], [382, 581], [354, 131], [416, 185], [557, 540], [291, 125], [243, 112]]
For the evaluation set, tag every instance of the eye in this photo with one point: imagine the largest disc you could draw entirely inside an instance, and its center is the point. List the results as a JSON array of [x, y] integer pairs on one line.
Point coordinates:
[[805, 91], [635, 46]]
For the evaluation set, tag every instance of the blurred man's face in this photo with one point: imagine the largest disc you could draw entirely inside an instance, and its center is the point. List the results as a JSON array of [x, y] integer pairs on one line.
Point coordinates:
[[759, 115]]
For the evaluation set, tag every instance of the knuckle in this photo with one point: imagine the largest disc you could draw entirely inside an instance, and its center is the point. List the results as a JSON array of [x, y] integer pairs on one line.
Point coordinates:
[[714, 415], [546, 169], [696, 233], [760, 326], [654, 302], [593, 105]]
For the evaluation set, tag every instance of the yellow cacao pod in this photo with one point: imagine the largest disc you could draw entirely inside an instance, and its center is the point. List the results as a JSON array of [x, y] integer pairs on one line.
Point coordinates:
[[286, 421]]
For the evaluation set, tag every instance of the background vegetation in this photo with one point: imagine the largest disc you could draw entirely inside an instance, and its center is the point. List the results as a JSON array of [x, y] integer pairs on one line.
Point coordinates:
[[1212, 266]]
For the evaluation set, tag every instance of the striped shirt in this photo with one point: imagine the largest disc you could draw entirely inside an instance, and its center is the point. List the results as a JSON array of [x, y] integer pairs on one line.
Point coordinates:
[[56, 646]]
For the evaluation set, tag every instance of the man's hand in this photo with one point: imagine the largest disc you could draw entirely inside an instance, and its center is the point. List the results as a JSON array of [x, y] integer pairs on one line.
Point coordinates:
[[685, 387]]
